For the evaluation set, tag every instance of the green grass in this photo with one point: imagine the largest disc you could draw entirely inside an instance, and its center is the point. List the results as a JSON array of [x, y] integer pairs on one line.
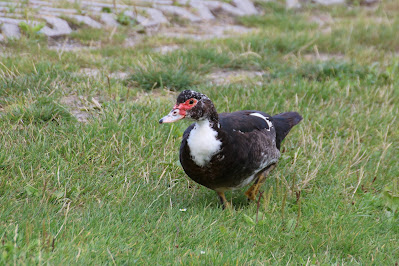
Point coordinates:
[[112, 191], [156, 74], [42, 110]]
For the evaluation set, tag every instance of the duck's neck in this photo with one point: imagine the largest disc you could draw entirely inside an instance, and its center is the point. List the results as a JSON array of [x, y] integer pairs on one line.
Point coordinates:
[[213, 124], [212, 118]]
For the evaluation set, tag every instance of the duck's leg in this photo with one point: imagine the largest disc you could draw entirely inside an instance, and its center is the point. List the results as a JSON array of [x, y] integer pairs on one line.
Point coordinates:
[[223, 200], [254, 189]]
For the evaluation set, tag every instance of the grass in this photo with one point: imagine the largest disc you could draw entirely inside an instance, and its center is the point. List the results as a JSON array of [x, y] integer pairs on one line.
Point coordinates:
[[156, 74], [42, 110], [112, 191]]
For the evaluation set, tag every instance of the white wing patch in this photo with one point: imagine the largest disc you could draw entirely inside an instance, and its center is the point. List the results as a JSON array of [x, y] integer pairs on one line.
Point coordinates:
[[269, 123], [203, 142]]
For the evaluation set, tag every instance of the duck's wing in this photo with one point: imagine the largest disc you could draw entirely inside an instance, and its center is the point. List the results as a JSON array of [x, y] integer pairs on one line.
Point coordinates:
[[245, 121]]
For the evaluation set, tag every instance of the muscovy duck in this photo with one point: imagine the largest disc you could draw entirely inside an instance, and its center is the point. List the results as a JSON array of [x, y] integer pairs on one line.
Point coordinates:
[[228, 150]]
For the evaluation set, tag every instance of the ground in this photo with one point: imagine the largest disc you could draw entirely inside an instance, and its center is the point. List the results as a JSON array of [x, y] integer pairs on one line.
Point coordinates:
[[88, 176]]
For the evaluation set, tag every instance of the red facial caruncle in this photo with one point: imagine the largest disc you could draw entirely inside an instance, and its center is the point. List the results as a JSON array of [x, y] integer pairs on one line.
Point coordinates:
[[187, 105], [179, 111]]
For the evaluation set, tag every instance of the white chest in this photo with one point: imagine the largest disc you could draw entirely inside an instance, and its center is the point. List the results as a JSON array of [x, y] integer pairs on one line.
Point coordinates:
[[203, 143]]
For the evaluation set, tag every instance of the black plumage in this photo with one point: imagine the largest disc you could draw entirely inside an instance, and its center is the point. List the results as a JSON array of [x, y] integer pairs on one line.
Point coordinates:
[[233, 149]]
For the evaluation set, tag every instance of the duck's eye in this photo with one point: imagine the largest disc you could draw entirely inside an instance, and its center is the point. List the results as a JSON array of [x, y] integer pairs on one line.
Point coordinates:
[[191, 102]]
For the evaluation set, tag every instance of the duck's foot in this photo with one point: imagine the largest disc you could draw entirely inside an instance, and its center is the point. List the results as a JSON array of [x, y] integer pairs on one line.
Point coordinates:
[[254, 189], [223, 200]]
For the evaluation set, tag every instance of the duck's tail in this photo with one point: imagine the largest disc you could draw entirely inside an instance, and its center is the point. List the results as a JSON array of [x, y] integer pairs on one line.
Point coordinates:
[[283, 123]]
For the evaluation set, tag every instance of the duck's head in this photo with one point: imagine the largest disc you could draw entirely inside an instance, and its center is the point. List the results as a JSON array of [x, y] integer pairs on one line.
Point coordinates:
[[192, 105]]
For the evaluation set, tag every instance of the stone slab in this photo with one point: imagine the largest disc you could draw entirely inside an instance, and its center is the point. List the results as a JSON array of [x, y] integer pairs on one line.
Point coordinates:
[[10, 31], [87, 21], [179, 11], [60, 27], [109, 19], [214, 5], [246, 6]]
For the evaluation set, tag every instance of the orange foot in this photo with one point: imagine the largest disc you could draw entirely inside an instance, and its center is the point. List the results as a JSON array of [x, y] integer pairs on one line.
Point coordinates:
[[223, 200], [254, 189]]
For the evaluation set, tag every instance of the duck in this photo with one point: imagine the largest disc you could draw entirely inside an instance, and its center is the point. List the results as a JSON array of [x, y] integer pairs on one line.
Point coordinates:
[[228, 151]]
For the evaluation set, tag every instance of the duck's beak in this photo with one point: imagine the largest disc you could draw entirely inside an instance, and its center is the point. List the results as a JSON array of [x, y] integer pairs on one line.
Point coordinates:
[[173, 116]]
